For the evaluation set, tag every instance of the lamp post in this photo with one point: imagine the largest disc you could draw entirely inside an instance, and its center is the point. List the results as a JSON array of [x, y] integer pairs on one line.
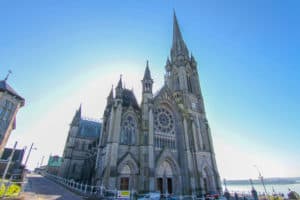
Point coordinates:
[[262, 181]]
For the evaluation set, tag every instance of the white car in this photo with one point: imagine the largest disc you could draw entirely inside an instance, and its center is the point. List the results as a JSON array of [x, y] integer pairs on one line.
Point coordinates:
[[151, 195]]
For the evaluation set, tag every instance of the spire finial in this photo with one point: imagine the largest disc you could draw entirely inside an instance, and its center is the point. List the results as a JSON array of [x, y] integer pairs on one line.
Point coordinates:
[[178, 46], [9, 72], [147, 74]]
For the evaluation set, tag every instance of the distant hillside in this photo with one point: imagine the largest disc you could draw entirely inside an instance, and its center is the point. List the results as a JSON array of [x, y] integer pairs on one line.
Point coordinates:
[[293, 180]]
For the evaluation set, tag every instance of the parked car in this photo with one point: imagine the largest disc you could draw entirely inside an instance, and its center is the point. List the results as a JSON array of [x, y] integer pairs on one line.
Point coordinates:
[[151, 195]]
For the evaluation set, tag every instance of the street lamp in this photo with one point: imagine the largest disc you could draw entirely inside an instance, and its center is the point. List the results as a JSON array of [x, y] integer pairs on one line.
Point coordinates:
[[262, 181]]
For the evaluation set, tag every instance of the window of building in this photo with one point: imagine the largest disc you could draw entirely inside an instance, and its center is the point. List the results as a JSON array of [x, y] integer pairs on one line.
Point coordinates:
[[128, 131], [6, 110]]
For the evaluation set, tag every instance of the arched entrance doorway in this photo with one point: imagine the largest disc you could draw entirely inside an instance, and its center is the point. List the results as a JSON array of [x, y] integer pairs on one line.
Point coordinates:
[[127, 174], [165, 177]]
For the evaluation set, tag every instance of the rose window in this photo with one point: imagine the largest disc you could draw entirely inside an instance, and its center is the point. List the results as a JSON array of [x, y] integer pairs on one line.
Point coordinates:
[[163, 121]]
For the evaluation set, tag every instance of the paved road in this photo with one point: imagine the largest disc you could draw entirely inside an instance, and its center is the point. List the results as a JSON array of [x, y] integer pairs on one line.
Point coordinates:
[[40, 188]]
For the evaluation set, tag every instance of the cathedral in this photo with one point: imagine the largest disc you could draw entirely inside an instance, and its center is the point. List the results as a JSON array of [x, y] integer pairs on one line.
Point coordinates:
[[80, 150], [164, 144]]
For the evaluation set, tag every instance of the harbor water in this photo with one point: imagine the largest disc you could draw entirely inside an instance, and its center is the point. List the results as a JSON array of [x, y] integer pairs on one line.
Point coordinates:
[[278, 188]]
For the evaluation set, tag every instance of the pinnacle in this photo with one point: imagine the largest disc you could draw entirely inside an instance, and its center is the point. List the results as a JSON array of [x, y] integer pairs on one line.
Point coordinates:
[[147, 74], [120, 82]]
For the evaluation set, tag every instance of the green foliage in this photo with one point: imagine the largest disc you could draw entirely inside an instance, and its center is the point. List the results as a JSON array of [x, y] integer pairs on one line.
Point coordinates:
[[2, 189], [11, 191]]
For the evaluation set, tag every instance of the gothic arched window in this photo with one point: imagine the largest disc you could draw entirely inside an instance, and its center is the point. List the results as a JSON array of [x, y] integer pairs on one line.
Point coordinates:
[[128, 130], [189, 83]]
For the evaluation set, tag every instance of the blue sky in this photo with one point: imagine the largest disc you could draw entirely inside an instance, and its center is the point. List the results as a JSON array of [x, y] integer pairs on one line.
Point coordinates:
[[63, 53]]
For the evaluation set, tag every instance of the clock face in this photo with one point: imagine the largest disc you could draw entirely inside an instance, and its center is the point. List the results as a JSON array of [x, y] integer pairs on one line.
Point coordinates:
[[163, 121]]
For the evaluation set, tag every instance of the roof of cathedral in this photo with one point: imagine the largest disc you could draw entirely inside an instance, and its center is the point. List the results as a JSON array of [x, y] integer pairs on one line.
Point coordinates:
[[129, 99], [89, 129], [5, 87]]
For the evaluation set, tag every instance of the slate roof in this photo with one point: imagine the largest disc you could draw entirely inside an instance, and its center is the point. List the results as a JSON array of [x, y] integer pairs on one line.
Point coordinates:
[[6, 88], [89, 129], [129, 99]]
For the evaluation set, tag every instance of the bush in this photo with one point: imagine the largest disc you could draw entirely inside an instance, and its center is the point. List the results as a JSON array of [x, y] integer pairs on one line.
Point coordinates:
[[11, 191]]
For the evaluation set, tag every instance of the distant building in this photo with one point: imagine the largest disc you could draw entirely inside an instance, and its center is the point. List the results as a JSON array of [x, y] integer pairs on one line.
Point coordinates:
[[16, 169], [10, 102], [80, 149], [54, 164]]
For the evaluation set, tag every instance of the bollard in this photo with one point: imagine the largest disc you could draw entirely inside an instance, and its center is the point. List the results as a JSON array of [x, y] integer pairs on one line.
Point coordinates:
[[85, 189], [91, 189]]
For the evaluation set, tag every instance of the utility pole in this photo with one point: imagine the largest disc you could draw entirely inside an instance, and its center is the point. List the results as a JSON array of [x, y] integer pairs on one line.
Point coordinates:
[[31, 147], [7, 165]]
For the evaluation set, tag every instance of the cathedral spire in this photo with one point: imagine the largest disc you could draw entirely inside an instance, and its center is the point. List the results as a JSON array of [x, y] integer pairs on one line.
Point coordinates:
[[147, 74], [119, 88], [178, 46], [147, 80]]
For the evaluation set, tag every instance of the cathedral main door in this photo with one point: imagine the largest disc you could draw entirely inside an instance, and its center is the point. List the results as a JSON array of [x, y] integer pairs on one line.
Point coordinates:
[[164, 185], [165, 178]]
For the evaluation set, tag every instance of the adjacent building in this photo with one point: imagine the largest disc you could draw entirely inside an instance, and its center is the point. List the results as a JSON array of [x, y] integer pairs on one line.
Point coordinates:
[[10, 102], [79, 154], [164, 144], [54, 164], [16, 168]]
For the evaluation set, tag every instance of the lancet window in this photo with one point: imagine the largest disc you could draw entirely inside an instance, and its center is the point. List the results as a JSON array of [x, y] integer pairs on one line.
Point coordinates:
[[128, 131]]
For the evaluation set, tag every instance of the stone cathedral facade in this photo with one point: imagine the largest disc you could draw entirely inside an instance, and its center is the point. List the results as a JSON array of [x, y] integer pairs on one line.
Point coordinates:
[[165, 143]]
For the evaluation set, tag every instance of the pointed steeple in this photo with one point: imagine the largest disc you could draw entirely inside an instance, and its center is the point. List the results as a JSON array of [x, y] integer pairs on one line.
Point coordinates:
[[119, 88], [147, 80], [147, 74], [178, 46], [120, 82], [168, 65]]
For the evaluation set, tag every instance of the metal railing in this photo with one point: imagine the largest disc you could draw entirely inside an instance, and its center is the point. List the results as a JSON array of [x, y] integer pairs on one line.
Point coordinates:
[[84, 190]]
